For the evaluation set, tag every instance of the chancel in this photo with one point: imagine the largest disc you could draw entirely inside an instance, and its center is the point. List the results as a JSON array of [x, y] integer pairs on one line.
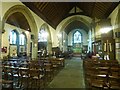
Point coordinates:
[[60, 45]]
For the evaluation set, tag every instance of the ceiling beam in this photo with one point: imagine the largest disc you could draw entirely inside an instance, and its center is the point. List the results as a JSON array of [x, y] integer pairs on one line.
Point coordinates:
[[39, 13], [111, 8]]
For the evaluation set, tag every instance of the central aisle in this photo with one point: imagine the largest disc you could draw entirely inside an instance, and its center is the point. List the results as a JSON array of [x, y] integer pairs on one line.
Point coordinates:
[[71, 76]]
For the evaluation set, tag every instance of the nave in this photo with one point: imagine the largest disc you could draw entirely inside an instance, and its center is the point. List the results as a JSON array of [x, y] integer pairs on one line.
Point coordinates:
[[71, 76]]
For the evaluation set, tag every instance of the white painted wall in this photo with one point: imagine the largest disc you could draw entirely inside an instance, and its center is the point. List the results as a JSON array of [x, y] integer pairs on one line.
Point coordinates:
[[5, 37], [38, 21]]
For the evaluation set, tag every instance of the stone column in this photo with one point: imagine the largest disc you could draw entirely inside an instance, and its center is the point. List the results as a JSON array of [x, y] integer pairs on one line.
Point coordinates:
[[0, 61], [0, 27], [34, 48], [49, 47]]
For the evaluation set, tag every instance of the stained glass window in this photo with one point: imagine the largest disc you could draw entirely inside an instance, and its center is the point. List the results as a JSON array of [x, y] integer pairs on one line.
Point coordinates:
[[42, 36], [13, 37], [22, 39], [77, 37]]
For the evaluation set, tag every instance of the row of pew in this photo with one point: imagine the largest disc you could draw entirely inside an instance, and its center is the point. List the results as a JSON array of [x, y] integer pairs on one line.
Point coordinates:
[[30, 73], [102, 74]]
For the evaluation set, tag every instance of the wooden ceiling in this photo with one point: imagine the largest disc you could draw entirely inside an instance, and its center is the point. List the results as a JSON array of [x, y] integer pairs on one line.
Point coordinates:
[[54, 12], [76, 25], [18, 19]]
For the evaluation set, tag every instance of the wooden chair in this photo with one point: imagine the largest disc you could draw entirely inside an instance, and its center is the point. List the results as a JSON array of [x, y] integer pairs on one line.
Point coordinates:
[[24, 78], [54, 65], [36, 78], [7, 78], [7, 73], [114, 83], [97, 82], [48, 71], [114, 72], [7, 84]]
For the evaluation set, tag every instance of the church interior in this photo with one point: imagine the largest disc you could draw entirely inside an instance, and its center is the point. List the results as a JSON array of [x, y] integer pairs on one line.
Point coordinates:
[[59, 45]]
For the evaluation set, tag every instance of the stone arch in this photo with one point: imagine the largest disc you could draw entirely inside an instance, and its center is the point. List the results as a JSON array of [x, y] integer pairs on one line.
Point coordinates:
[[73, 18], [49, 41], [61, 27], [22, 9], [47, 29], [31, 21]]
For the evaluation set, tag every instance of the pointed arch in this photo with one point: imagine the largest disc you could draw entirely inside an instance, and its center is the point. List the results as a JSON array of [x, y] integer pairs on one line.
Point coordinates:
[[75, 18], [31, 21], [22, 39], [77, 37], [44, 25], [47, 33], [13, 37], [25, 11]]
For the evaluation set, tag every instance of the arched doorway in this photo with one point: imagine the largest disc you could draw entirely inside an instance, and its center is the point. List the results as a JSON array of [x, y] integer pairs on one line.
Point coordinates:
[[44, 40]]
